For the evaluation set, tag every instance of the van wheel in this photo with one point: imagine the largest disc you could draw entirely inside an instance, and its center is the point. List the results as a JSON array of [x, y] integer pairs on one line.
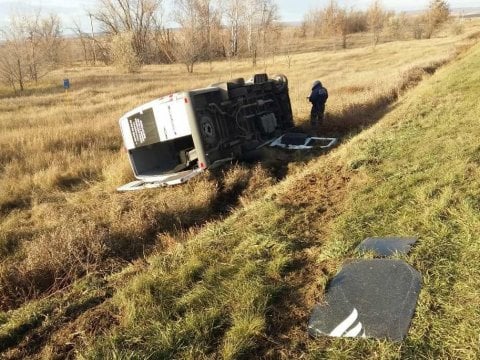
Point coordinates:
[[207, 128]]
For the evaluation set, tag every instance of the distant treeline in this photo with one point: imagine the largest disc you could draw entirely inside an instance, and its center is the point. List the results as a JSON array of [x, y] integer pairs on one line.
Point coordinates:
[[134, 33]]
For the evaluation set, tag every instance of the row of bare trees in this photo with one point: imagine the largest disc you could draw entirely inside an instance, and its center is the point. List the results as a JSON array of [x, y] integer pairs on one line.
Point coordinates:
[[339, 22], [335, 22], [204, 30], [207, 29], [210, 29], [130, 33]]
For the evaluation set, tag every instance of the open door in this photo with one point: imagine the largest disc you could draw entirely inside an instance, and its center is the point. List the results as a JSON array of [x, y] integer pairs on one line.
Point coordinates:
[[160, 181]]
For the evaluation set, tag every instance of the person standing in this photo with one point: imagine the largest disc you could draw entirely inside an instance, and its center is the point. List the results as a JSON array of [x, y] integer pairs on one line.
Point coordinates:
[[318, 98]]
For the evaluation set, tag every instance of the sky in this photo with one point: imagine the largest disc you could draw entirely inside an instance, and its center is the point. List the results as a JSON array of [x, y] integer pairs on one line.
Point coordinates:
[[291, 10]]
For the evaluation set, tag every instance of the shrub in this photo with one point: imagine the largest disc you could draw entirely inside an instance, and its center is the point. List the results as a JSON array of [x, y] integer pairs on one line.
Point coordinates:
[[123, 53]]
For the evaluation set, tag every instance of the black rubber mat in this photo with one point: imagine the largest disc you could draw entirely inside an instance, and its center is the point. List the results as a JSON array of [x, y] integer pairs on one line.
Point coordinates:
[[369, 298]]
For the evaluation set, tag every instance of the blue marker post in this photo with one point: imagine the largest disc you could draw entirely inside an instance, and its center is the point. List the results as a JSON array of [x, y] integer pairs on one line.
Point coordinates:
[[66, 84]]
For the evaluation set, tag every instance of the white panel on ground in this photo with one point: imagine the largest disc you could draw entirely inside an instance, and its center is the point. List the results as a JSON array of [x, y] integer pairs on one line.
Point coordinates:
[[160, 181], [298, 141]]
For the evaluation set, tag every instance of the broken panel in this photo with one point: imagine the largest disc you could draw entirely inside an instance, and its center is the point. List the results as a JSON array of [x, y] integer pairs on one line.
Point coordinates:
[[299, 141], [160, 181], [369, 299]]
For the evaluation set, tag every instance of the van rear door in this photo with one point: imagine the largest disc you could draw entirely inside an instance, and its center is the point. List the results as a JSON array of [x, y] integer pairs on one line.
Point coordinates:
[[156, 182]]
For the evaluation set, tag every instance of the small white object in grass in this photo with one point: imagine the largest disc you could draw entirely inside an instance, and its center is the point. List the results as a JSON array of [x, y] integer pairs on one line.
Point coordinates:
[[309, 143]]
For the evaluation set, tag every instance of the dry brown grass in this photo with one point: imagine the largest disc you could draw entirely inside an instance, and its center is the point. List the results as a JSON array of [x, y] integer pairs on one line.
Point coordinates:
[[61, 158]]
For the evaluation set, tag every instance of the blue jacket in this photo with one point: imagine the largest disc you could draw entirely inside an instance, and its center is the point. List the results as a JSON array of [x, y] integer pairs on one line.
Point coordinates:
[[319, 96]]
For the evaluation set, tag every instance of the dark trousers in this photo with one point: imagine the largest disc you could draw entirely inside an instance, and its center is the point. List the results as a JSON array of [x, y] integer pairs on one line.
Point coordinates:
[[317, 115]]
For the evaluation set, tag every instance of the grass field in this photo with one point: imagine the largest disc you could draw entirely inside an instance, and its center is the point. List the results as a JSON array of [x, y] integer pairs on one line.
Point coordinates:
[[235, 270]]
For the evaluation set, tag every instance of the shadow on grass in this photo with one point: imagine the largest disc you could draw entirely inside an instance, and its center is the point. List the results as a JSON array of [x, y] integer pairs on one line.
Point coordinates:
[[174, 222]]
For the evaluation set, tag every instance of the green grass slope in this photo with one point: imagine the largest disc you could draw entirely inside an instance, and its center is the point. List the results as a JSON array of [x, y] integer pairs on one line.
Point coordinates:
[[244, 287], [230, 290], [415, 173], [420, 176]]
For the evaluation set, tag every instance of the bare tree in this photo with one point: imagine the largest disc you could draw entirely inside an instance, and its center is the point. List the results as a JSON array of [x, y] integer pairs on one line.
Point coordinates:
[[269, 30], [311, 24], [84, 40], [234, 13], [137, 17], [210, 19], [30, 50], [438, 12], [396, 26], [343, 23], [189, 47], [418, 26], [253, 8], [303, 30], [251, 26], [260, 18], [357, 21], [13, 63], [42, 39], [123, 54], [329, 20], [94, 48], [425, 25], [377, 16], [92, 41], [51, 34], [288, 41], [12, 66], [164, 47], [199, 37], [335, 22], [162, 41]]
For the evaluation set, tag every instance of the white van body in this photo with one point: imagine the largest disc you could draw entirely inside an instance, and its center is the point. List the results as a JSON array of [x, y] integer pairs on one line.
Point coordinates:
[[173, 138]]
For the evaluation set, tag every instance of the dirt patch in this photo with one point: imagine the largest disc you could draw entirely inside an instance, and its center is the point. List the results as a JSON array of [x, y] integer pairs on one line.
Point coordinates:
[[63, 343], [314, 202]]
